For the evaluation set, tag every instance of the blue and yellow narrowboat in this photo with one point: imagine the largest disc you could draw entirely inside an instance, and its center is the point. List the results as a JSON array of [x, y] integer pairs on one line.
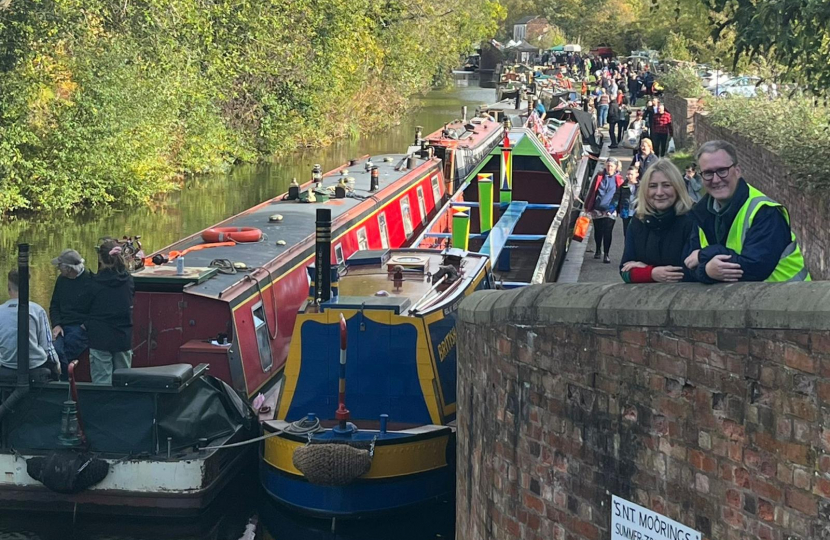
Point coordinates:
[[365, 422]]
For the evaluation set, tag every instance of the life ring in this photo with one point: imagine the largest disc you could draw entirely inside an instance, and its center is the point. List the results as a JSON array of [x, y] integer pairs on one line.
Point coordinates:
[[235, 234]]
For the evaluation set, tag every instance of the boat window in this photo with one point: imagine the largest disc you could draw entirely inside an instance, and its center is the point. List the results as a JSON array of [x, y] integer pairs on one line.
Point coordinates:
[[384, 231], [436, 189], [422, 204], [362, 239], [407, 215], [263, 339], [338, 254]]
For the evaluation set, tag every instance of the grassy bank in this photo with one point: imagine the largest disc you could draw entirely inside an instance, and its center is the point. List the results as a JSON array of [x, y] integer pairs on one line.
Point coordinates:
[[113, 104]]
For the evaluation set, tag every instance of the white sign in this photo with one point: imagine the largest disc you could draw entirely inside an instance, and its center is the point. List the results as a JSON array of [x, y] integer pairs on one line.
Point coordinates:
[[630, 521]]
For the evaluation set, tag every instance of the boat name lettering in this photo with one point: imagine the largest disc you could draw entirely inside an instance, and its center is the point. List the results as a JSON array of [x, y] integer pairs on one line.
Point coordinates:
[[447, 344]]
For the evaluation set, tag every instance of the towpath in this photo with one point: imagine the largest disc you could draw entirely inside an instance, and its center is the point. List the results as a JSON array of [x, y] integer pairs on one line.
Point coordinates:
[[580, 265]]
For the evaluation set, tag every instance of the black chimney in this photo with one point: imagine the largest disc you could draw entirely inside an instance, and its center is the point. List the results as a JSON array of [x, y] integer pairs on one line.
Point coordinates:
[[322, 260]]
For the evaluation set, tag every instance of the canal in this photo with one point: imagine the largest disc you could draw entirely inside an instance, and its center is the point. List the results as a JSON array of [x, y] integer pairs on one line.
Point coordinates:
[[206, 200], [243, 512]]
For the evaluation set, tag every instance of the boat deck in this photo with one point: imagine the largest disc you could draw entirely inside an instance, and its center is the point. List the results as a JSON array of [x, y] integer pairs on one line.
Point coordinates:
[[283, 238]]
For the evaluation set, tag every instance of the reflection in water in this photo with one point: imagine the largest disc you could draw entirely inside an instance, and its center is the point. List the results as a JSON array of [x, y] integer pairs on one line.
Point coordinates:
[[205, 201]]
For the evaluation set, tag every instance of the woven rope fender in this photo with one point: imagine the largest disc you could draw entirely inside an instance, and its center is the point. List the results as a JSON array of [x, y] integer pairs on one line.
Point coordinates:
[[333, 464]]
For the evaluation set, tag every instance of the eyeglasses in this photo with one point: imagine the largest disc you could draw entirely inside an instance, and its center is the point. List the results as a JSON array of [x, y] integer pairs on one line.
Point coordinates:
[[722, 173]]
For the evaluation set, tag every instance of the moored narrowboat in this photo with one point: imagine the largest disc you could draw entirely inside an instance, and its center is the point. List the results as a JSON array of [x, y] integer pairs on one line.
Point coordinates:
[[365, 423]]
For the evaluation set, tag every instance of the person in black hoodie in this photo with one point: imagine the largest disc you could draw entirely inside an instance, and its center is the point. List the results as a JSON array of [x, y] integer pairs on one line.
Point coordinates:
[[69, 307], [659, 235], [110, 322]]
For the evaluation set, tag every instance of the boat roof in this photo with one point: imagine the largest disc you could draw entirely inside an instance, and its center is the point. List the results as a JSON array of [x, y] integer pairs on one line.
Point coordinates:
[[464, 134], [369, 280], [284, 239], [524, 143]]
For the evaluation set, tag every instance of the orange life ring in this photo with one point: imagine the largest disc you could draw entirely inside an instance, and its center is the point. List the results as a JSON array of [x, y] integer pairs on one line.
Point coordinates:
[[236, 234]]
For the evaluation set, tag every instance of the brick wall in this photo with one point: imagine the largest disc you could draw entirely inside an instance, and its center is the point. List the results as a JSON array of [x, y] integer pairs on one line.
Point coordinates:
[[710, 408], [683, 112], [809, 211]]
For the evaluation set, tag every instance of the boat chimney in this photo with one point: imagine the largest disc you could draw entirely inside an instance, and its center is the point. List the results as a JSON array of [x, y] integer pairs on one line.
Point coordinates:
[[464, 114], [22, 332], [342, 413], [461, 230], [322, 260], [317, 176], [418, 133], [485, 202], [384, 419], [411, 161], [294, 190], [518, 99], [374, 182]]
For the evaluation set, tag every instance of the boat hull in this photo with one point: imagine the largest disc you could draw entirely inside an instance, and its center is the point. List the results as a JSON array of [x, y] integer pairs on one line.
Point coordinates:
[[406, 471]]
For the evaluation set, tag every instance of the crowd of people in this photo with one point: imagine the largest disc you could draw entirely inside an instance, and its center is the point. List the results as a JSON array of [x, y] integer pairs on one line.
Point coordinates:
[[88, 311], [706, 224]]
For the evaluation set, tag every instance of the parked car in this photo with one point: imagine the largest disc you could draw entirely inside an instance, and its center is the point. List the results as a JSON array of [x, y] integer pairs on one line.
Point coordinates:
[[744, 86]]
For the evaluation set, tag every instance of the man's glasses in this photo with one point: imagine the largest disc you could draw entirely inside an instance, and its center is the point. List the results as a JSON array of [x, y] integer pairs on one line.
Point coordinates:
[[722, 173]]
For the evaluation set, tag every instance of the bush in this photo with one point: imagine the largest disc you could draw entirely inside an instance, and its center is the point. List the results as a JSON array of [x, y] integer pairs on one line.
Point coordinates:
[[683, 82], [796, 129]]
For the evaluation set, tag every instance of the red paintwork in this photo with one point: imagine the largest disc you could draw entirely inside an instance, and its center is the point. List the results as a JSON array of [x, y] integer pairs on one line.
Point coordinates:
[[563, 140], [177, 326]]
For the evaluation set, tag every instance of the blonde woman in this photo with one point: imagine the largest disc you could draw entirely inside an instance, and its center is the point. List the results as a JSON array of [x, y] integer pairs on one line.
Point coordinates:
[[658, 236]]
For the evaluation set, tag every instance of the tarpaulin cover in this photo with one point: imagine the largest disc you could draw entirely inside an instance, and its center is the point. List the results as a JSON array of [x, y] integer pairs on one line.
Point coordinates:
[[128, 422]]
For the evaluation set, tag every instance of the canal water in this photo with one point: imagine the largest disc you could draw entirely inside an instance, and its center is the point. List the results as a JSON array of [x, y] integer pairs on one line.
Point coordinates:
[[243, 512]]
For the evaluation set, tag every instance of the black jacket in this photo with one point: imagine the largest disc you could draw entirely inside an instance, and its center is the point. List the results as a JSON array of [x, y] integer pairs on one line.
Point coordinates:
[[659, 240], [765, 241], [613, 111], [70, 300], [110, 321]]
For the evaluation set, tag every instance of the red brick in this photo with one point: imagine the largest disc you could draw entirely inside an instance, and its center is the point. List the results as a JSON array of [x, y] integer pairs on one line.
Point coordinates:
[[820, 342], [667, 364], [797, 453], [742, 478], [733, 517], [765, 510], [796, 358], [513, 528], [586, 529], [635, 337], [534, 503], [685, 349], [633, 353], [703, 336], [765, 489], [823, 388], [803, 502], [824, 464], [734, 498], [822, 487]]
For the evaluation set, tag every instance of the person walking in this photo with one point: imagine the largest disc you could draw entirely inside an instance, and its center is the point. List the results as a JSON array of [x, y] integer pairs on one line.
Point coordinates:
[[69, 307], [602, 207], [645, 157], [628, 198], [661, 130], [659, 234], [740, 234], [634, 85], [613, 118], [622, 118], [110, 321], [603, 101]]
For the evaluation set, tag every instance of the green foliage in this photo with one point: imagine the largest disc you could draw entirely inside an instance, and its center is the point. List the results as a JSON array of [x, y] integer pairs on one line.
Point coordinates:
[[683, 82], [112, 103], [793, 33], [677, 47], [796, 129]]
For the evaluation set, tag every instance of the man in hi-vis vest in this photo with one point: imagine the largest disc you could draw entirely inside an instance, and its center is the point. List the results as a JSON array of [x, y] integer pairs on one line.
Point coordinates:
[[742, 235]]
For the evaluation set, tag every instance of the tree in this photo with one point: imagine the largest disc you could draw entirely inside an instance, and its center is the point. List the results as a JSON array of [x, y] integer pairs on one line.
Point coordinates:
[[792, 33]]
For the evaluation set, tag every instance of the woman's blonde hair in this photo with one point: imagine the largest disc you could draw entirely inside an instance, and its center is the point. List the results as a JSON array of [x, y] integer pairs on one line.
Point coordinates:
[[682, 204], [648, 143]]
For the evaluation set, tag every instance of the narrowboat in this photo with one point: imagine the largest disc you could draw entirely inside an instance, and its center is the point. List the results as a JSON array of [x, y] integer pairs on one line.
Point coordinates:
[[160, 440], [365, 423], [535, 181]]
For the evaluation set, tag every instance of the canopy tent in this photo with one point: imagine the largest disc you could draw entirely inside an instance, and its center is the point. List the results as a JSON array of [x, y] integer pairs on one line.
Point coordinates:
[[558, 48]]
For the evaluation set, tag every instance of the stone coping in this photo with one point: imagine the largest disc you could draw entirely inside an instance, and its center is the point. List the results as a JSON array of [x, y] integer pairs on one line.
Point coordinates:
[[802, 305]]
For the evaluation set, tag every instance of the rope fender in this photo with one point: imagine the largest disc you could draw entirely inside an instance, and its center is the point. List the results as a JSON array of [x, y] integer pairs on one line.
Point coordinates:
[[334, 463]]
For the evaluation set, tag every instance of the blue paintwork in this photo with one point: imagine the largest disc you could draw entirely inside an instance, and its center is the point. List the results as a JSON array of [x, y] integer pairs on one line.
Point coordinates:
[[439, 331], [359, 498], [500, 234], [381, 372]]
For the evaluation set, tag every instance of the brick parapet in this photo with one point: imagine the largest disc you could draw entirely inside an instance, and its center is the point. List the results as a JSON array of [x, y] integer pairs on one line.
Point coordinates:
[[709, 405], [683, 112]]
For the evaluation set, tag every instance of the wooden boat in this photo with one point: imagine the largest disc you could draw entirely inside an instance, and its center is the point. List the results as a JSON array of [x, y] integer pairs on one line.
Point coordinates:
[[537, 183], [392, 325]]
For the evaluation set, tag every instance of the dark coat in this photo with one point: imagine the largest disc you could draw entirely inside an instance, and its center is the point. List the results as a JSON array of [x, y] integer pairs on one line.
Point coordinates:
[[659, 240], [70, 300], [110, 321], [646, 162], [765, 241]]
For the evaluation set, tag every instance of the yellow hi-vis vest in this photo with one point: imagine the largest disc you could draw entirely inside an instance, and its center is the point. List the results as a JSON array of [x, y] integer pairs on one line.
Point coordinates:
[[791, 264]]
